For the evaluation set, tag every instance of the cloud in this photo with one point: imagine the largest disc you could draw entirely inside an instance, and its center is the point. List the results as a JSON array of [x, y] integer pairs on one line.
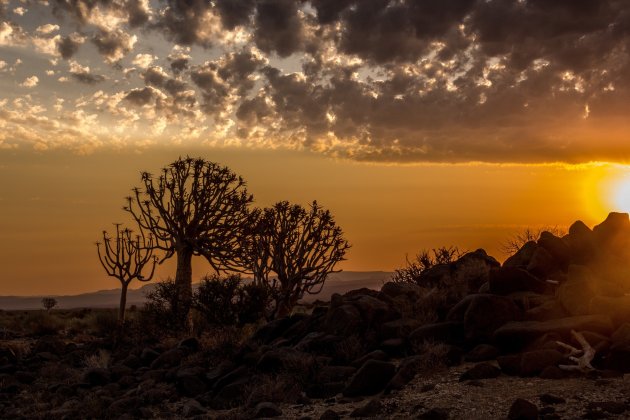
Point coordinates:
[[114, 45], [68, 46], [30, 82], [82, 74], [47, 28], [386, 80], [144, 60]]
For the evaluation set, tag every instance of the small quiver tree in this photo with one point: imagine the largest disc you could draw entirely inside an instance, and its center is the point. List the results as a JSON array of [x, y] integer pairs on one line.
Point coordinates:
[[125, 257], [293, 249], [194, 207], [48, 303]]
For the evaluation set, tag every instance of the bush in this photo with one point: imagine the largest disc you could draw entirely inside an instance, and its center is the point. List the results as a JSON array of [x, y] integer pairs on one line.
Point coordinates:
[[414, 270], [230, 301], [41, 323], [159, 314]]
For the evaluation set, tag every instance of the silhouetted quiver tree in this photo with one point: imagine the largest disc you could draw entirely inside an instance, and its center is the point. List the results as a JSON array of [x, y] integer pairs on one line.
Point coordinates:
[[48, 303], [194, 207], [125, 257], [299, 246]]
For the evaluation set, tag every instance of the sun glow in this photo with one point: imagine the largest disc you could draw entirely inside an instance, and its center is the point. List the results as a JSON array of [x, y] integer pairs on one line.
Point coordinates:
[[621, 195]]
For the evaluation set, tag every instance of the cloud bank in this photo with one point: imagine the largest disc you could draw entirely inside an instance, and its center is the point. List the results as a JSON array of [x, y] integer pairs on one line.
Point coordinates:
[[378, 80]]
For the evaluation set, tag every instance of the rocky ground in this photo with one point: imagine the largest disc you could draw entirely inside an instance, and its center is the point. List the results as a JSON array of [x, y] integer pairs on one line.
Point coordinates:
[[546, 334]]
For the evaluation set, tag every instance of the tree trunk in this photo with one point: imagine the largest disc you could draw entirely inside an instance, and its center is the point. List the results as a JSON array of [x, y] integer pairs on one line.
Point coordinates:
[[123, 304], [183, 281]]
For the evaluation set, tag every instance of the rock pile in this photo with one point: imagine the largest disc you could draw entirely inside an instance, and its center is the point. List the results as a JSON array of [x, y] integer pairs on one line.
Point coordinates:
[[367, 342]]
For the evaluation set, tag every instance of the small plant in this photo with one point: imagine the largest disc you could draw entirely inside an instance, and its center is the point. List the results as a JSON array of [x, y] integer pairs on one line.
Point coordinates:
[[424, 260], [230, 301], [516, 242], [97, 360], [160, 315], [48, 303]]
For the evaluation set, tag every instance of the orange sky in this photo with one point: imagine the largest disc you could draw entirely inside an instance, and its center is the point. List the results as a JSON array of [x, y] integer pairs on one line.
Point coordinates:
[[54, 206], [379, 110]]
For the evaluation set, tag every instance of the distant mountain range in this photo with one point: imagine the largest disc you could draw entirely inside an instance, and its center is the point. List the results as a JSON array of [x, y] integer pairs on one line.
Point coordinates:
[[336, 283]]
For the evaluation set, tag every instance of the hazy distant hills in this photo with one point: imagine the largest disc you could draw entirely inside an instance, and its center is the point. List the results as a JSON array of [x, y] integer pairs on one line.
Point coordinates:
[[336, 283]]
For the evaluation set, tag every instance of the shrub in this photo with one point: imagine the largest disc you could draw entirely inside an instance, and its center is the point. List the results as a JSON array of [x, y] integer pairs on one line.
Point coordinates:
[[424, 260], [516, 242], [230, 301], [41, 323], [159, 316], [104, 322]]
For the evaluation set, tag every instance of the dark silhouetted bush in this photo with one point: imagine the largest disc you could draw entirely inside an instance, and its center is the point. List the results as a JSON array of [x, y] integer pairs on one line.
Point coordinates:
[[424, 260], [159, 316], [230, 301]]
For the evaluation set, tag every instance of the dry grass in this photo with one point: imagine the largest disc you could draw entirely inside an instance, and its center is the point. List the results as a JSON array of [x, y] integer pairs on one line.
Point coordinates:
[[97, 360], [279, 388], [432, 356]]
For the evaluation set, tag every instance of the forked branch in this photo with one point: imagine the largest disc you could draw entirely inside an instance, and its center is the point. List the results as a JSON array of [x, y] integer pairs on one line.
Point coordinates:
[[581, 357]]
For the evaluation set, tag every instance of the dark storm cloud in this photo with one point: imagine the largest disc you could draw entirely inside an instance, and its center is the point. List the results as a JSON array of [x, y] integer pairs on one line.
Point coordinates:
[[140, 97], [68, 46], [278, 27], [400, 80], [88, 78], [113, 45]]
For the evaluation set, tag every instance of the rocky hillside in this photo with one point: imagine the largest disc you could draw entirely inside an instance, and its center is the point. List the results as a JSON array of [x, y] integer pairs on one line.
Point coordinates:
[[556, 310]]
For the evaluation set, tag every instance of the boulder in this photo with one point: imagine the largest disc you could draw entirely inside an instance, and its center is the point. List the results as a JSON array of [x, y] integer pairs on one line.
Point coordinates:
[[482, 353], [395, 289], [371, 409], [581, 242], [400, 328], [169, 358], [485, 314], [576, 293], [617, 307], [344, 320], [612, 233], [551, 309], [558, 249], [507, 280], [523, 410], [480, 371], [374, 310], [285, 359], [515, 335], [334, 373], [407, 370], [190, 385], [522, 257], [370, 379], [542, 263], [447, 332], [266, 410], [619, 355], [534, 362]]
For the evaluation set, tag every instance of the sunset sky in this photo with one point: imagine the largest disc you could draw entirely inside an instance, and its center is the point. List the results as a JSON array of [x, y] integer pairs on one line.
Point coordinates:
[[417, 123]]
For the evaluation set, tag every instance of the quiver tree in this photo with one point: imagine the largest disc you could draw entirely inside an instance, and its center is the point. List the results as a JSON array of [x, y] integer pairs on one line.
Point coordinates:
[[125, 257], [293, 250], [48, 303], [194, 207]]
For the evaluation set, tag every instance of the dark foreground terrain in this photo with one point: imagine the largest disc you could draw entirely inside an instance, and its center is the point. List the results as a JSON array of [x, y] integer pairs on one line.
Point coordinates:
[[471, 339]]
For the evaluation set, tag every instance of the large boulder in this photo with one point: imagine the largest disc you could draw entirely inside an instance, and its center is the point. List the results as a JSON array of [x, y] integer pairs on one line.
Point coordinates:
[[448, 332], [507, 280], [581, 242], [343, 320], [543, 264], [370, 379], [522, 257], [557, 248], [515, 335], [613, 233], [469, 272], [617, 308], [576, 293], [483, 314]]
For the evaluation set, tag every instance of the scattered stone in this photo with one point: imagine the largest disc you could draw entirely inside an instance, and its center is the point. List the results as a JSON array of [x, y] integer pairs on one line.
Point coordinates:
[[480, 371], [435, 414], [482, 353], [371, 409], [523, 410], [370, 379], [266, 410]]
